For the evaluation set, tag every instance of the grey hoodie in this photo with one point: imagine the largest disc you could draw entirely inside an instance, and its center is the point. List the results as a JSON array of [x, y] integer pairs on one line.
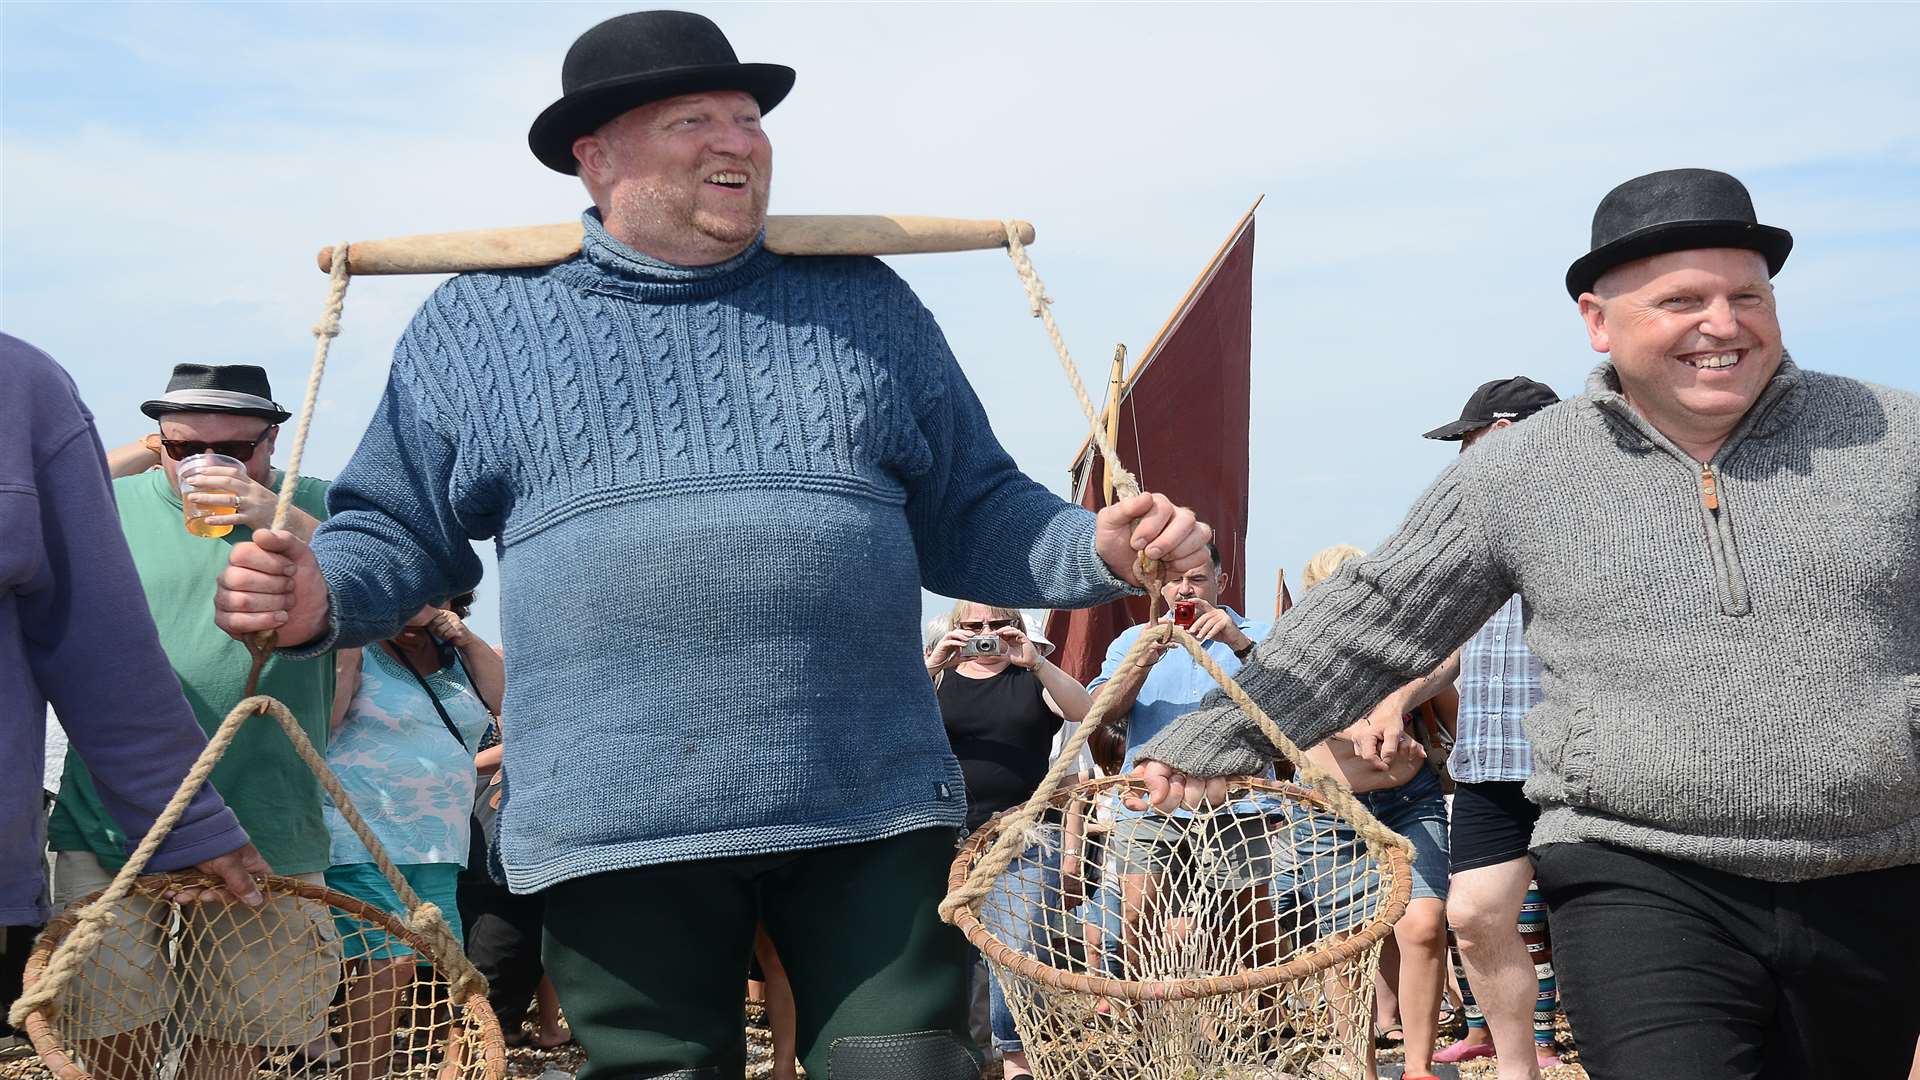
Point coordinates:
[[1731, 653]]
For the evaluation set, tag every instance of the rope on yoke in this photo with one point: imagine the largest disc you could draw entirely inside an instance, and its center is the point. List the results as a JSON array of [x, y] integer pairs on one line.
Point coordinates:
[[1125, 485], [324, 332], [1016, 828], [90, 926]]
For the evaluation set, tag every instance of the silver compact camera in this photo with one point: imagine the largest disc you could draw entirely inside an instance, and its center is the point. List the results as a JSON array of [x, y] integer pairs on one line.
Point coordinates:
[[984, 645]]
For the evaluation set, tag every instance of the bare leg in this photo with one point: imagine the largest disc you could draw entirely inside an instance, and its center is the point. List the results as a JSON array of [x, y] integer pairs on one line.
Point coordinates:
[[1340, 995], [208, 1060], [1422, 936], [132, 1056], [549, 1029], [781, 1014], [1256, 942], [373, 998], [1462, 991], [1139, 897], [1386, 988], [1484, 906]]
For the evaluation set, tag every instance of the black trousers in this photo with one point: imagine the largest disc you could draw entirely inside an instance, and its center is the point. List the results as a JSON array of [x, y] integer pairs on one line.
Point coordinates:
[[503, 940], [1671, 969], [16, 944]]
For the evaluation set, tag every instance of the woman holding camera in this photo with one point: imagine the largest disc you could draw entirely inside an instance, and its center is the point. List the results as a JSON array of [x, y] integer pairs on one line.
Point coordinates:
[[1003, 702]]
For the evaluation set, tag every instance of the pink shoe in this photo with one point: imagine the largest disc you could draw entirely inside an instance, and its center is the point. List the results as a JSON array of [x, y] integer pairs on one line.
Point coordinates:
[[1547, 1059], [1456, 1053]]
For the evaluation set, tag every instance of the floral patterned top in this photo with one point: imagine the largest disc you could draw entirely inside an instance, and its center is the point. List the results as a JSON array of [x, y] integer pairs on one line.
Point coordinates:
[[411, 780]]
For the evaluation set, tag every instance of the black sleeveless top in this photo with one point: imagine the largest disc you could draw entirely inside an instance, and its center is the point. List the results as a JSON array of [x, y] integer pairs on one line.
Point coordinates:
[[1002, 732]]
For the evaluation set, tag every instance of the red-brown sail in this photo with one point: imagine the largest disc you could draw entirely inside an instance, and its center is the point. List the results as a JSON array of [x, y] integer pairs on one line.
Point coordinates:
[[1183, 431]]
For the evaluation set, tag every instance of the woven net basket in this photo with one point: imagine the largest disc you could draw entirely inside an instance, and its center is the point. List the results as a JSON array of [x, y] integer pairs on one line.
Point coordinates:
[[206, 989], [1239, 941]]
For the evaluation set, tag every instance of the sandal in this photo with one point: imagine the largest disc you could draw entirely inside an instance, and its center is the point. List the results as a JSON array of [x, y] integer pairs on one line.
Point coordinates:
[[1386, 1038], [1455, 1053]]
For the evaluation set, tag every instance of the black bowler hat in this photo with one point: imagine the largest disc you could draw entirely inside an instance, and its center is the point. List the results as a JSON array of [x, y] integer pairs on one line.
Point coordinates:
[[241, 389], [1675, 210], [1502, 399], [642, 57]]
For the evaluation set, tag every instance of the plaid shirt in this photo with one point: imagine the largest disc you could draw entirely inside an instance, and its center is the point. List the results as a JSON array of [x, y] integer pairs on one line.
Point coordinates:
[[1499, 682]]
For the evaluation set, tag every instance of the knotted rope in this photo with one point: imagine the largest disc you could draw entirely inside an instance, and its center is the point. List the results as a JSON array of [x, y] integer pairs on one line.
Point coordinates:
[[1125, 484], [1016, 828], [424, 919]]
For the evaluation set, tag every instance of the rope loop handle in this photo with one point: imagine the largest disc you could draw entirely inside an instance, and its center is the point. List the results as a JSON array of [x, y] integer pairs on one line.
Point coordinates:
[[1125, 485], [1016, 826], [324, 332], [90, 926]]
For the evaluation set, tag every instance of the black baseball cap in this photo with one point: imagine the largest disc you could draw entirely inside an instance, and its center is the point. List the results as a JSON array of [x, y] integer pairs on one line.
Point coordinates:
[[1502, 399]]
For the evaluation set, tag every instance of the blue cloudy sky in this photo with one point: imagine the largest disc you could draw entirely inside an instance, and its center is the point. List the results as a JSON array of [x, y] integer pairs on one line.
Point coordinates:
[[167, 170]]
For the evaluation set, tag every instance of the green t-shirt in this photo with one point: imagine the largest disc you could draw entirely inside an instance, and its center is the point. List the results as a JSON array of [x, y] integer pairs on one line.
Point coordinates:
[[270, 790]]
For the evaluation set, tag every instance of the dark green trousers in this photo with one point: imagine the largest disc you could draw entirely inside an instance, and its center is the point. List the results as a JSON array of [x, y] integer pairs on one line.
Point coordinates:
[[651, 963]]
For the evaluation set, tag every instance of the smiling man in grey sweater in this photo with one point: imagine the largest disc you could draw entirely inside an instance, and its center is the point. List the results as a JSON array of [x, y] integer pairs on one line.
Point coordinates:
[[1718, 556]]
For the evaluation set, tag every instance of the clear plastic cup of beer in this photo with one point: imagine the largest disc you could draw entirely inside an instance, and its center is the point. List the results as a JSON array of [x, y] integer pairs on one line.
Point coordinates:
[[213, 485]]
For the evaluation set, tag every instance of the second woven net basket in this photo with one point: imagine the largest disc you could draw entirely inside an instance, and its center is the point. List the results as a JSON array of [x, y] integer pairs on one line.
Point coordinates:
[[1234, 942], [216, 989], [166, 977]]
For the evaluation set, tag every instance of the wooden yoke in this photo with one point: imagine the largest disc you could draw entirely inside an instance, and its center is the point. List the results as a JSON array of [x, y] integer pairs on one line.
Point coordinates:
[[787, 234]]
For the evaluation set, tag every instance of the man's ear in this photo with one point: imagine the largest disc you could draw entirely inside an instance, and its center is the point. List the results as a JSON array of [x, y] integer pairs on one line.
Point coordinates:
[[590, 152], [1595, 317]]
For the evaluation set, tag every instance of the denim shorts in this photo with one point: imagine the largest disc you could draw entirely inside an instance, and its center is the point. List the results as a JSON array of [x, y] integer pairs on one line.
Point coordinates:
[[1332, 856]]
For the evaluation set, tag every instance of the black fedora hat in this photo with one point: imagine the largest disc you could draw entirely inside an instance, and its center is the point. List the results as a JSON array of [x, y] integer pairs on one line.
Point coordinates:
[[1675, 210], [642, 57], [241, 389]]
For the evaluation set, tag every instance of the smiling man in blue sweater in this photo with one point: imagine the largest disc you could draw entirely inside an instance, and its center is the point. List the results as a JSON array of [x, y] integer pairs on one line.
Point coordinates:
[[717, 478]]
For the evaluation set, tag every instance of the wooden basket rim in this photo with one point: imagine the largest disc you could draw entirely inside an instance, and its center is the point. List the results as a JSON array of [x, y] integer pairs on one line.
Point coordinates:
[[1318, 957], [474, 1009]]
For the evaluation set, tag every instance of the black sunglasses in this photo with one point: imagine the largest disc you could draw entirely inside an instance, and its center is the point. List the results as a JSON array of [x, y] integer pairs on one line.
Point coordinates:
[[990, 624], [239, 449]]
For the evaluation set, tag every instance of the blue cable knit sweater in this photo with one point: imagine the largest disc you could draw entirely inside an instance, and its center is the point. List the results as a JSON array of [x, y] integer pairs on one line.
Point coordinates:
[[715, 493]]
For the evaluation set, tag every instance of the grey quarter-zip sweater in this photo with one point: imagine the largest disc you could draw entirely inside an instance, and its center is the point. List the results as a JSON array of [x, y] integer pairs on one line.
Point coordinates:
[[1730, 651]]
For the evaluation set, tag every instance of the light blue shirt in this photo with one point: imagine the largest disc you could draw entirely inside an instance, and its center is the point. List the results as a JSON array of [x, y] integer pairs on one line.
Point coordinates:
[[410, 778], [1499, 684], [1175, 685]]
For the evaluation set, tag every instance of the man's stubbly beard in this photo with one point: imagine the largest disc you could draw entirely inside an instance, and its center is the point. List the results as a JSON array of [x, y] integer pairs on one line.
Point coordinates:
[[672, 217]]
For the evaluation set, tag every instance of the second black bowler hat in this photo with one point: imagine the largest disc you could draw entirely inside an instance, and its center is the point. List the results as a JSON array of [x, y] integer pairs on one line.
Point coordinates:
[[1675, 210], [1502, 399], [642, 57]]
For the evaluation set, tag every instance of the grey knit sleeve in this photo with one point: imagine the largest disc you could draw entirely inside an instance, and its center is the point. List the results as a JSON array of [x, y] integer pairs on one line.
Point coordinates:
[[1378, 623]]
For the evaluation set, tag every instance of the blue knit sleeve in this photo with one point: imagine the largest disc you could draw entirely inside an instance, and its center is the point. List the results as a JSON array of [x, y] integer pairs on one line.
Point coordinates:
[[983, 529], [398, 535]]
